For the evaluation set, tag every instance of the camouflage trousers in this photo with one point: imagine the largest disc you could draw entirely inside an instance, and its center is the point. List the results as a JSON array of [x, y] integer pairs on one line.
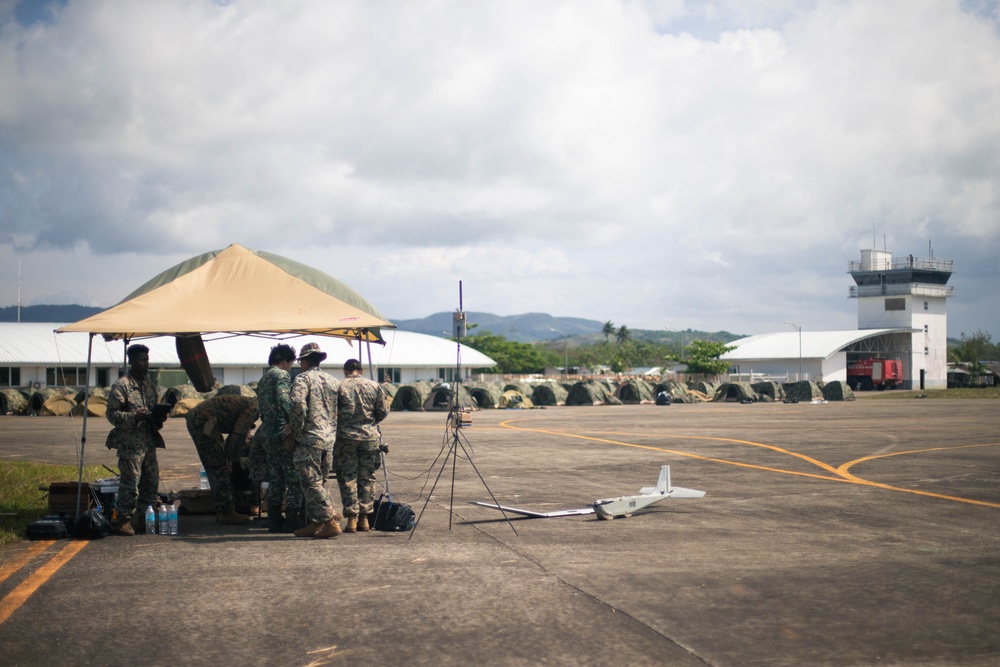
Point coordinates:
[[211, 451], [355, 462], [283, 486], [257, 462], [138, 481], [313, 467]]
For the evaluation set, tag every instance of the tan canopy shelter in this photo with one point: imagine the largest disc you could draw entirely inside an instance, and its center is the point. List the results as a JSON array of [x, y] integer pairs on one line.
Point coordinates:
[[235, 291], [238, 291]]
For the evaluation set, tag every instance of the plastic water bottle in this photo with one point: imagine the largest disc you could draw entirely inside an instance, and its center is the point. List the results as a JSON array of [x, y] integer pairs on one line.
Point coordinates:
[[172, 518], [164, 520], [203, 479], [150, 520]]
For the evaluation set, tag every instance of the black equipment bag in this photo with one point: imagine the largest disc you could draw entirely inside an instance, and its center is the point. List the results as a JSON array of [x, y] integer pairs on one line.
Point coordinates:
[[387, 514], [392, 516], [92, 525]]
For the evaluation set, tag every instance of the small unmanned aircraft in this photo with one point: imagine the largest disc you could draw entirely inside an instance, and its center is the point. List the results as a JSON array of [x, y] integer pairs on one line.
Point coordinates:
[[611, 508]]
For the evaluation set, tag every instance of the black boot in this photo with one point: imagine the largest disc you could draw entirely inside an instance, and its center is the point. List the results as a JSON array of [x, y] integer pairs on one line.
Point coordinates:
[[274, 521]]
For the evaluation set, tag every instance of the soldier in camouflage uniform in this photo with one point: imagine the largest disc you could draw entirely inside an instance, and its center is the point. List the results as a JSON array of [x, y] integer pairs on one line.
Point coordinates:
[[136, 436], [313, 421], [361, 405], [206, 422], [283, 488]]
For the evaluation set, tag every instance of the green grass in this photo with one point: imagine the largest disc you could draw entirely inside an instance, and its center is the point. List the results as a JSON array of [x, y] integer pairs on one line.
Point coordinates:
[[21, 501], [965, 392]]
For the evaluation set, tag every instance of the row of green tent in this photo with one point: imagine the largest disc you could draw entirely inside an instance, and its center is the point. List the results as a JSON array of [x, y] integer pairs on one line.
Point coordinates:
[[427, 396]]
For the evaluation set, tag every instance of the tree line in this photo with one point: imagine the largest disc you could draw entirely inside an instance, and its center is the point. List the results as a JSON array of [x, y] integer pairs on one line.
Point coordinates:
[[620, 351]]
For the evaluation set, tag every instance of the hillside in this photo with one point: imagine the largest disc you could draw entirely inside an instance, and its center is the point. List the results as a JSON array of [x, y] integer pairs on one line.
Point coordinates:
[[524, 328], [534, 327]]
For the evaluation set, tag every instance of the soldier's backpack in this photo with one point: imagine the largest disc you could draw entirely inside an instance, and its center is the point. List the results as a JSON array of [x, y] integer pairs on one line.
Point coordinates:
[[392, 516]]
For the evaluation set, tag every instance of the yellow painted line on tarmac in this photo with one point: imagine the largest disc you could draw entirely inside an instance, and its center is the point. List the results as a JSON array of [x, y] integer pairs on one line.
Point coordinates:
[[23, 558], [841, 473], [843, 470], [13, 601], [695, 456]]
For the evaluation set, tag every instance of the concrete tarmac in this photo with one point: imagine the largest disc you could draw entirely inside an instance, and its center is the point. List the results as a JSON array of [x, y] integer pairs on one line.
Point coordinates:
[[854, 533]]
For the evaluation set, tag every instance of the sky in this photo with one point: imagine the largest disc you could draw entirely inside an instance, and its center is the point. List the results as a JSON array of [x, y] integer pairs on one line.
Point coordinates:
[[656, 164]]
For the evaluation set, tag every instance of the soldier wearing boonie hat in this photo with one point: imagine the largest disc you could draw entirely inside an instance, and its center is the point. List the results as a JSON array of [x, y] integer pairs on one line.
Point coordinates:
[[312, 352]]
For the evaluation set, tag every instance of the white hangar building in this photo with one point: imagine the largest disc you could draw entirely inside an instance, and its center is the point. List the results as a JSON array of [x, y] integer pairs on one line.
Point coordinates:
[[902, 314], [33, 356]]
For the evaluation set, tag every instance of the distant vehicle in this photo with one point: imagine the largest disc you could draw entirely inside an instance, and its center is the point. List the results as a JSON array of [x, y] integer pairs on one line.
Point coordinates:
[[868, 374]]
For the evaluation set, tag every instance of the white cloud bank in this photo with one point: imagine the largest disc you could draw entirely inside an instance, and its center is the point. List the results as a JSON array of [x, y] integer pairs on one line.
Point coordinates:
[[658, 164]]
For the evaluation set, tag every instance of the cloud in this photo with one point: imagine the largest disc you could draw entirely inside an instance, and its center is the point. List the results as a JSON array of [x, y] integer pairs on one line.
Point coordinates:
[[638, 161]]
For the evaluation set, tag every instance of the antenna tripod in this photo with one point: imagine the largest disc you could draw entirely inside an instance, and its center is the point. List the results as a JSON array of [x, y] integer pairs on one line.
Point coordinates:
[[457, 418]]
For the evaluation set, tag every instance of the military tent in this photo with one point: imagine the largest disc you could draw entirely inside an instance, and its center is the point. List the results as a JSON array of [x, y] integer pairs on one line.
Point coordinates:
[[12, 401], [772, 389], [635, 390], [837, 391], [485, 394], [411, 396], [678, 392], [802, 391], [58, 405], [549, 393], [735, 392], [591, 392], [513, 399], [441, 397], [96, 406]]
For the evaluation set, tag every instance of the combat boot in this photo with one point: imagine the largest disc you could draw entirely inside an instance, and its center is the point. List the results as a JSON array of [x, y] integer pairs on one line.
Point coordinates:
[[363, 523], [231, 518], [125, 527], [329, 529], [309, 530], [352, 524]]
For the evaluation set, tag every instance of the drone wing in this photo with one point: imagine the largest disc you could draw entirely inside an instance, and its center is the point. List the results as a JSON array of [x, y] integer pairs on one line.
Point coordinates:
[[538, 515]]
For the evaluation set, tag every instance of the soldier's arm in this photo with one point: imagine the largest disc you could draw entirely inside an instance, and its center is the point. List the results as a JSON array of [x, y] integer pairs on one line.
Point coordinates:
[[282, 393], [382, 404], [298, 396], [119, 411]]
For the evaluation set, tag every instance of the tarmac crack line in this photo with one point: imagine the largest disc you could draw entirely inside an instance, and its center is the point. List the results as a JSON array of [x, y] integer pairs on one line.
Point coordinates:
[[604, 603], [841, 473], [13, 600]]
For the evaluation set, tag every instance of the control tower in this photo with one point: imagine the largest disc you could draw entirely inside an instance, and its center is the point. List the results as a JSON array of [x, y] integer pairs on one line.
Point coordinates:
[[907, 293]]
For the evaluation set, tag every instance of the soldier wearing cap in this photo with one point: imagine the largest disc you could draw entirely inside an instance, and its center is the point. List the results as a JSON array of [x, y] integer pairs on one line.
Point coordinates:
[[135, 434], [362, 404], [313, 424]]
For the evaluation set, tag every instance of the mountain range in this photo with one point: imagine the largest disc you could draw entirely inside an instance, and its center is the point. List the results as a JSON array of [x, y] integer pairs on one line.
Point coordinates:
[[524, 328]]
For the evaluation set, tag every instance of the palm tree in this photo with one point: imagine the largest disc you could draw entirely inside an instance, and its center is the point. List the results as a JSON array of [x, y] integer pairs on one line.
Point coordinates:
[[623, 334], [608, 330]]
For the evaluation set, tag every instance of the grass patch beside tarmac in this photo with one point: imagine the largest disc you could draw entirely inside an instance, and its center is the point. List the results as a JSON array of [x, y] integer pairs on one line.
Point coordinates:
[[963, 392], [21, 501]]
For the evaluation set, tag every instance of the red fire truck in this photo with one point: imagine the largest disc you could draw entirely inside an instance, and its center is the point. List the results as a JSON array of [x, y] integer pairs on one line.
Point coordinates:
[[868, 374]]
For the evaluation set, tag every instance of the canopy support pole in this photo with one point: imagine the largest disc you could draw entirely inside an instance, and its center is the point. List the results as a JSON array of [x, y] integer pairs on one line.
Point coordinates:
[[83, 433]]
